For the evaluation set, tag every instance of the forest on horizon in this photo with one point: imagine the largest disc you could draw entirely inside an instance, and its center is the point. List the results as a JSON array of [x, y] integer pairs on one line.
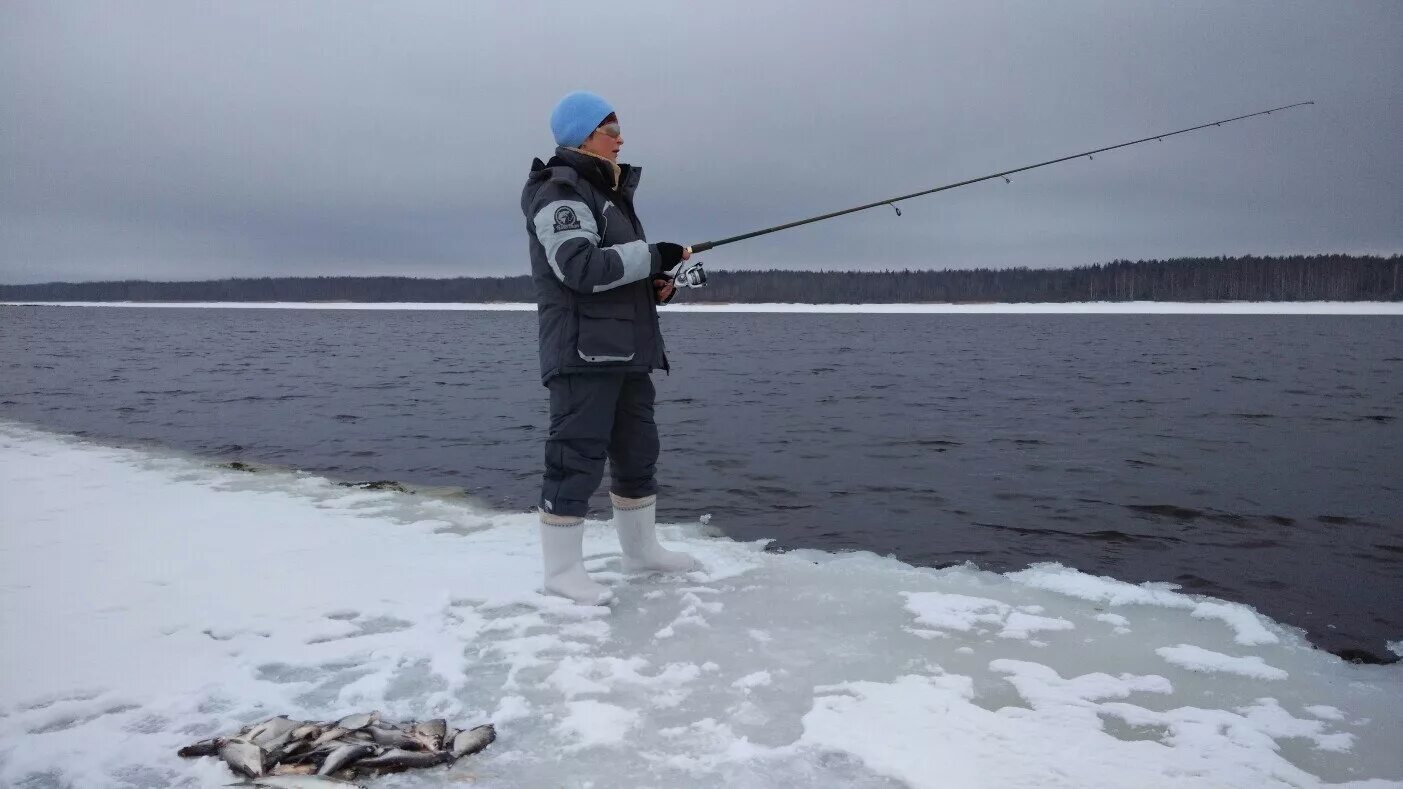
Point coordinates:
[[1251, 278]]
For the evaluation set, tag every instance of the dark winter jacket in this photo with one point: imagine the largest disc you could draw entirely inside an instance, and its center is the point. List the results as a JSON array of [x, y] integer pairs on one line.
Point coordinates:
[[592, 268]]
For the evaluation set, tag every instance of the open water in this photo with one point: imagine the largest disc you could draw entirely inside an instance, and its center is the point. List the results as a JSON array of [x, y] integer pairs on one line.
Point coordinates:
[[1253, 458]]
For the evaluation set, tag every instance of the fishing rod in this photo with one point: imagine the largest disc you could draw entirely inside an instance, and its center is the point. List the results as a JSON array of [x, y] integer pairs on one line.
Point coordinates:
[[693, 276]]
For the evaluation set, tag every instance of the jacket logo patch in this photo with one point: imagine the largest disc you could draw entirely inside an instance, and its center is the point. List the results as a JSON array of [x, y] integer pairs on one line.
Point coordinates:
[[565, 219]]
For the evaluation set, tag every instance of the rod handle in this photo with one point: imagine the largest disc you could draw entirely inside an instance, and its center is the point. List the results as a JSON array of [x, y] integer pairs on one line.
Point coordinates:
[[702, 247]]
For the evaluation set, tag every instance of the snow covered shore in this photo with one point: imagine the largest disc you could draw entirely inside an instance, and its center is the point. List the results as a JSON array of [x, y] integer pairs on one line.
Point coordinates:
[[147, 600], [1072, 308]]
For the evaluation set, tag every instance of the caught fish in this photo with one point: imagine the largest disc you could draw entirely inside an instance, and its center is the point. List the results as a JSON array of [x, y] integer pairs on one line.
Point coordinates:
[[399, 759], [282, 753], [469, 742], [333, 733], [345, 756], [208, 747], [291, 748], [275, 744], [243, 757], [431, 733], [358, 721], [270, 730], [389, 737]]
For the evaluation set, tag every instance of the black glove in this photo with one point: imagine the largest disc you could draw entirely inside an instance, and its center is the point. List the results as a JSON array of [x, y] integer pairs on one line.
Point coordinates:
[[670, 254]]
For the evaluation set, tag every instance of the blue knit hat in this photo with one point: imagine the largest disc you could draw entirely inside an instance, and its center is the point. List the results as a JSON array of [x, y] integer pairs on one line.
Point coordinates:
[[576, 116]]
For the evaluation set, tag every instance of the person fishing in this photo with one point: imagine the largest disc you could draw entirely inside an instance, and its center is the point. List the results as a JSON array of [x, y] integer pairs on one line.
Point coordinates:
[[598, 286]]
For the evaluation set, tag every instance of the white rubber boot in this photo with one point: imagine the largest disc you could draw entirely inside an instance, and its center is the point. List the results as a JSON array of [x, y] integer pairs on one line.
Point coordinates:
[[562, 559], [636, 522]]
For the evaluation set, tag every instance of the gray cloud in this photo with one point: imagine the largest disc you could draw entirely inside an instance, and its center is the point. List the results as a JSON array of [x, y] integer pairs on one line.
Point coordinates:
[[175, 140]]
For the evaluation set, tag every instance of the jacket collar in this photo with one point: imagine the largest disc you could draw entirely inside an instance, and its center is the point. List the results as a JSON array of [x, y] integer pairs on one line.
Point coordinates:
[[606, 167], [598, 171]]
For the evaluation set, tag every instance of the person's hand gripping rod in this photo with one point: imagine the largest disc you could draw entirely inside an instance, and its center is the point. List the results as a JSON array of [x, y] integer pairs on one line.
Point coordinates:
[[683, 275]]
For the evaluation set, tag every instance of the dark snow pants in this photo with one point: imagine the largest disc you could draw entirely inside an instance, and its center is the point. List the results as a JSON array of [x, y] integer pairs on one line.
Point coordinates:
[[596, 416]]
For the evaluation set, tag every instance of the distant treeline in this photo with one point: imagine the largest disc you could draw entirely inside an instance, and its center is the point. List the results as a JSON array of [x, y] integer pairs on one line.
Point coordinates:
[[1294, 278]]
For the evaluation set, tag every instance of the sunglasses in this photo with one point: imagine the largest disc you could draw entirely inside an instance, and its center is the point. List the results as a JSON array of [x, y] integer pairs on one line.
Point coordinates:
[[611, 129]]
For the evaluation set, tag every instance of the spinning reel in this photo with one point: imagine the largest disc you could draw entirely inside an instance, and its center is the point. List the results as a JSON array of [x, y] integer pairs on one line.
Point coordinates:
[[685, 275], [690, 275]]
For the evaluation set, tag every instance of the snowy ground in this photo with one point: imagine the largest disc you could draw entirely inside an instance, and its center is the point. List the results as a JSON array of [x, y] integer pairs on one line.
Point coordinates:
[[147, 600], [1088, 307]]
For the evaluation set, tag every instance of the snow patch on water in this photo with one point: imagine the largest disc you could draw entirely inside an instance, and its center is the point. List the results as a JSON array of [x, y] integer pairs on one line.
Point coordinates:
[[963, 613], [148, 600], [1249, 627], [1199, 659]]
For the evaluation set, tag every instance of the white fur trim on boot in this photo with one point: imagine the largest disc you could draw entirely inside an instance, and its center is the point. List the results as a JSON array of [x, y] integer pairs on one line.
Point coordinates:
[[636, 522], [562, 560]]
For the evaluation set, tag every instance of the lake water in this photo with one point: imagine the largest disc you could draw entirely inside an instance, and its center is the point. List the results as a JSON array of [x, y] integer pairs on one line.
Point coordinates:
[[1255, 458]]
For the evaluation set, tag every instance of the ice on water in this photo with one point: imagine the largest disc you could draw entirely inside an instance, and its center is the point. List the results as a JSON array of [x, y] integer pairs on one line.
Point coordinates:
[[148, 600]]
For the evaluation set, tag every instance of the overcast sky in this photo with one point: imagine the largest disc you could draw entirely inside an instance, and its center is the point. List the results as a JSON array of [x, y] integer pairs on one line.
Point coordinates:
[[198, 140]]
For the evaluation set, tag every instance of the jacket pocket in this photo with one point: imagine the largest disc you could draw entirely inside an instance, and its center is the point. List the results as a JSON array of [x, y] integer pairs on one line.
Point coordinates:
[[606, 332]]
